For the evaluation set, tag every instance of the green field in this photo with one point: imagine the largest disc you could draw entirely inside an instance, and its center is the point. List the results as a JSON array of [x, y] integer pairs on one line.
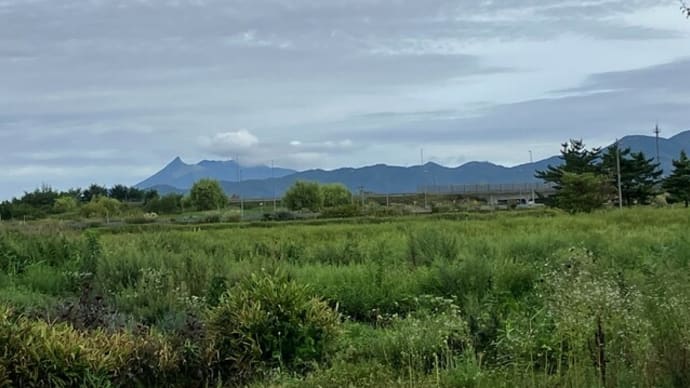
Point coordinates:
[[536, 299]]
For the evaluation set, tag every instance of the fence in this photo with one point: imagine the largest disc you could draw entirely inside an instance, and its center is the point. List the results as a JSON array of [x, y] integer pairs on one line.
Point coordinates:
[[487, 189]]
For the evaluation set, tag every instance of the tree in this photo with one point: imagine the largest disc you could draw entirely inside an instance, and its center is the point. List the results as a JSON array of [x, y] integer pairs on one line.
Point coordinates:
[[639, 175], [678, 183], [577, 159], [150, 195], [645, 178], [684, 8], [5, 210], [92, 192], [41, 199], [304, 195], [101, 207], [120, 192], [583, 192], [135, 195], [336, 194], [167, 204], [207, 194], [65, 204]]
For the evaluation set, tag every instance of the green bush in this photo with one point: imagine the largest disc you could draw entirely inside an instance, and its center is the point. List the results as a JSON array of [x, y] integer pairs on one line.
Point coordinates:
[[341, 211], [471, 278], [428, 244], [304, 195], [207, 194], [418, 343], [39, 354], [101, 207], [267, 321], [364, 292]]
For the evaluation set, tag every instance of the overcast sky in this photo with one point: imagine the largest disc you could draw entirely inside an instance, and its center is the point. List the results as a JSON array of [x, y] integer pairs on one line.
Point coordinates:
[[109, 91]]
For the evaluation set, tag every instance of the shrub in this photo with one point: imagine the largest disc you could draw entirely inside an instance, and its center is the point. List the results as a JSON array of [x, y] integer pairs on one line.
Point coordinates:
[[65, 205], [140, 219], [420, 342], [101, 207], [267, 321], [207, 194], [429, 244], [341, 211], [39, 354], [304, 196], [335, 195]]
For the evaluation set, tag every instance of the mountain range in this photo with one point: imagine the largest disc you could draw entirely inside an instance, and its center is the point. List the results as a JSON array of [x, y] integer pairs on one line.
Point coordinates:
[[265, 182]]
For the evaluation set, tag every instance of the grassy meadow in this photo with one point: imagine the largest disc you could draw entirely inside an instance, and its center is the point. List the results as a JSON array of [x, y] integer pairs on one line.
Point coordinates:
[[534, 299]]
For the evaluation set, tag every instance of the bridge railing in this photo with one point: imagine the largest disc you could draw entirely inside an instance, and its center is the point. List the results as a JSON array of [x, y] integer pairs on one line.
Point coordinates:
[[500, 188]]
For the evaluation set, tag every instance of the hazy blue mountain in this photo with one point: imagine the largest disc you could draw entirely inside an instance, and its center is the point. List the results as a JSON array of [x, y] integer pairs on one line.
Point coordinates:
[[669, 149], [382, 178], [393, 179], [181, 175]]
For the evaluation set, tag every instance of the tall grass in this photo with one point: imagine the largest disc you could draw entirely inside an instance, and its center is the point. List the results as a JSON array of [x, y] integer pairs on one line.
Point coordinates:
[[542, 299]]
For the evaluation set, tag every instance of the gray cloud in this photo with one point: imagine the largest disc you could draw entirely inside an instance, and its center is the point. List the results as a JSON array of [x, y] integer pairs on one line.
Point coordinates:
[[111, 89], [612, 103]]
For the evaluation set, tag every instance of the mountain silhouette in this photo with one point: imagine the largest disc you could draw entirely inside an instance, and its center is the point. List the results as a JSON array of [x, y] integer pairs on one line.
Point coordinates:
[[178, 176]]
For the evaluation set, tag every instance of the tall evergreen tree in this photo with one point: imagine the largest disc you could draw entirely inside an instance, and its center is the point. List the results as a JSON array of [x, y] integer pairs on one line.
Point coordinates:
[[678, 183], [639, 175], [645, 177], [583, 192], [577, 159]]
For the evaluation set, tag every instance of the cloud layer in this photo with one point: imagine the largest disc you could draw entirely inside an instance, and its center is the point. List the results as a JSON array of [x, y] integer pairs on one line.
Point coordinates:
[[109, 91]]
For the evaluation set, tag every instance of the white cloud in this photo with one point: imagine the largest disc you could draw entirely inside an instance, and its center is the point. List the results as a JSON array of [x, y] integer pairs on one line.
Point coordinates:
[[228, 144], [253, 151]]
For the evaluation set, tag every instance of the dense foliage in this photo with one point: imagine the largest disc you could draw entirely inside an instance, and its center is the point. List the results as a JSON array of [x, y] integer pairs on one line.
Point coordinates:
[[45, 201], [207, 194], [678, 183], [557, 300], [587, 179], [304, 195]]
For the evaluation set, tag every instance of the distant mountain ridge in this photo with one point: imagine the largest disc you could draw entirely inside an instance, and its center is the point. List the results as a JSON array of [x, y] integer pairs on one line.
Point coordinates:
[[181, 175], [380, 178]]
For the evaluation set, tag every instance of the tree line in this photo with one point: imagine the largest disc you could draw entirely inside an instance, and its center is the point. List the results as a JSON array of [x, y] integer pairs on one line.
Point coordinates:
[[588, 178], [93, 200], [205, 194]]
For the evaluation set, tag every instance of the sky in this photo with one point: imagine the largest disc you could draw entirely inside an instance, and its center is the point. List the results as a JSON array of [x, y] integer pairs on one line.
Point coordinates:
[[109, 91]]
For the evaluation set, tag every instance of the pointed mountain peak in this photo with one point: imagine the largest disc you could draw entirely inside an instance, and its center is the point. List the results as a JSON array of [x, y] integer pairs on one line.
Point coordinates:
[[177, 162]]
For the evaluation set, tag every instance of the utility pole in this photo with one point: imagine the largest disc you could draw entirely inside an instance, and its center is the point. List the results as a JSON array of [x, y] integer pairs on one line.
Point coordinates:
[[239, 186], [274, 186], [426, 200], [618, 169], [531, 162], [657, 131]]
